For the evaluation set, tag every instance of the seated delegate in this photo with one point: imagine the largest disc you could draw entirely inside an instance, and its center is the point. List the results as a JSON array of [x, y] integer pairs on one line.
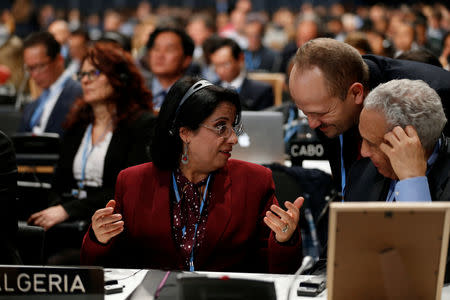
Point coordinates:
[[406, 156], [194, 208], [107, 132]]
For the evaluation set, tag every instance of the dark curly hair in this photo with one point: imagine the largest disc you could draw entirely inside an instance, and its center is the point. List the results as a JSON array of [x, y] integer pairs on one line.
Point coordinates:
[[130, 96]]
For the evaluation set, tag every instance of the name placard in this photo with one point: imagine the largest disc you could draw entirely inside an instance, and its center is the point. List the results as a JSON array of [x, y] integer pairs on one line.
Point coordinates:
[[299, 151], [48, 282]]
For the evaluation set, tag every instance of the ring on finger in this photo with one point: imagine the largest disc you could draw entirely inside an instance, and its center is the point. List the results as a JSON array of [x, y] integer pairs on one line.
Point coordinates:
[[285, 228]]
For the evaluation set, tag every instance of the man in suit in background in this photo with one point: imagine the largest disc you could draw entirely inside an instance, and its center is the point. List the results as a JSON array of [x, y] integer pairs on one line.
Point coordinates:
[[170, 53], [228, 60], [257, 56], [45, 65], [405, 155]]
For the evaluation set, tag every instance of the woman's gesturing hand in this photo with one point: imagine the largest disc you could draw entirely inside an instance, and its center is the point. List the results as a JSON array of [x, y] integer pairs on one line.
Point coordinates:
[[105, 224], [284, 222]]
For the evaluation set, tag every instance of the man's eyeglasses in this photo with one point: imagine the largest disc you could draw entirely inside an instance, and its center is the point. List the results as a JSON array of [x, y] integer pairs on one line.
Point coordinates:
[[38, 68], [225, 130], [91, 75]]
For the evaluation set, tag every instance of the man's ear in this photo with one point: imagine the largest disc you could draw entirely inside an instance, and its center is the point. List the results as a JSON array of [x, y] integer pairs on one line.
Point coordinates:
[[185, 135], [241, 60], [356, 91], [186, 62]]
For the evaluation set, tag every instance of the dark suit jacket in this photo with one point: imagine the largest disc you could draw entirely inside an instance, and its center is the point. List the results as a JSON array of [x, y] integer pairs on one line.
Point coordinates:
[[71, 91], [255, 95], [8, 214], [366, 184], [128, 147], [236, 237]]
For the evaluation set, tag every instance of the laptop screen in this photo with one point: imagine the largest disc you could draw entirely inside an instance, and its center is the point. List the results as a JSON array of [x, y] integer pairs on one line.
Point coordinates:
[[262, 142]]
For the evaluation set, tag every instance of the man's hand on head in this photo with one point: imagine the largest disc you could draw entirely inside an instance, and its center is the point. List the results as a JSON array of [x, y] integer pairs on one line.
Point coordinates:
[[405, 152]]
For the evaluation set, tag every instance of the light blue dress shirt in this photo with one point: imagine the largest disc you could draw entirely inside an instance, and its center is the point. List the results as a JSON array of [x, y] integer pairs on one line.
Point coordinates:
[[414, 189]]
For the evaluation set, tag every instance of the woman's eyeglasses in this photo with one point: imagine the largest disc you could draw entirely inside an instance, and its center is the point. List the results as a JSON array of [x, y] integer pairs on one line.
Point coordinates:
[[91, 75], [225, 130]]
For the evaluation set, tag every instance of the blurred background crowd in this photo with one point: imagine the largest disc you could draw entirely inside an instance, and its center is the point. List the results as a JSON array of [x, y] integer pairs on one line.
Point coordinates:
[[269, 32]]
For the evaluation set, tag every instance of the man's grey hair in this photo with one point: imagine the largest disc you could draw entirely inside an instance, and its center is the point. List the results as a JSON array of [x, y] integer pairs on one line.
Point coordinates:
[[410, 102]]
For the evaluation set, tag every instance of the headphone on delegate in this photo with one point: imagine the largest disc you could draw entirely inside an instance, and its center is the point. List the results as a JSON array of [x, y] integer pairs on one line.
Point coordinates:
[[194, 88]]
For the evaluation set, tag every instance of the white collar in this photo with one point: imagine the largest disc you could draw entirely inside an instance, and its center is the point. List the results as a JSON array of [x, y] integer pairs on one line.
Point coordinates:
[[237, 82]]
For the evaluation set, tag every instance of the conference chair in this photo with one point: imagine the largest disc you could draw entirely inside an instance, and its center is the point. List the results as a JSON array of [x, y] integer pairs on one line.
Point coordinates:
[[276, 80], [30, 243]]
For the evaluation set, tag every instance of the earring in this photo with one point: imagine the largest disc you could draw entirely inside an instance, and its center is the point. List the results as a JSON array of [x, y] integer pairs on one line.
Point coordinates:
[[184, 156]]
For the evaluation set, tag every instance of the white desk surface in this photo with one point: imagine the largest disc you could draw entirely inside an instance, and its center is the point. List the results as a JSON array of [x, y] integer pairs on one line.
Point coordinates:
[[131, 278]]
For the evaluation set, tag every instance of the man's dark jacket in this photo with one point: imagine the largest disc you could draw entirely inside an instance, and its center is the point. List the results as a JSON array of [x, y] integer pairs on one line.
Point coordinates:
[[381, 70]]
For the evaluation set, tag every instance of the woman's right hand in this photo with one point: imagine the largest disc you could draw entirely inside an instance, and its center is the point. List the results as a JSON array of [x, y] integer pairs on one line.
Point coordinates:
[[105, 224]]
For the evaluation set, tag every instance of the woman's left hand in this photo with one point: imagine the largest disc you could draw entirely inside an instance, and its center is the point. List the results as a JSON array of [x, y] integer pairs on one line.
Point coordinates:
[[48, 217], [284, 222]]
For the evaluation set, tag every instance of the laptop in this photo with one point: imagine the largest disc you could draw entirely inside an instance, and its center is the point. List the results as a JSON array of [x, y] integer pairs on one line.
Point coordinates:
[[379, 250], [262, 141]]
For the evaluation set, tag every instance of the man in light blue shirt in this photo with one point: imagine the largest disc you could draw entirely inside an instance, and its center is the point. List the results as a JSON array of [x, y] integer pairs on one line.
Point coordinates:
[[406, 157]]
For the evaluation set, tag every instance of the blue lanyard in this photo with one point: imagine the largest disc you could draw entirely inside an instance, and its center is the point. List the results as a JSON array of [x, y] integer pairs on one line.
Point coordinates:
[[341, 140], [202, 204], [36, 117], [86, 154], [43, 99]]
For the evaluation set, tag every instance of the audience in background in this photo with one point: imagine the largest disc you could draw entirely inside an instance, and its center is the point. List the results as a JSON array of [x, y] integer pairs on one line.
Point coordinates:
[[170, 53], [444, 58], [44, 63], [60, 31], [257, 56], [359, 41], [200, 27], [11, 57], [141, 33], [421, 55], [404, 38], [308, 27], [116, 38], [107, 131], [280, 30], [78, 45], [25, 18], [235, 28], [228, 61]]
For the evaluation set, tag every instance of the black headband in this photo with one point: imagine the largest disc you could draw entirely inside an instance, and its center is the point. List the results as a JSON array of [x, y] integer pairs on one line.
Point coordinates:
[[194, 88]]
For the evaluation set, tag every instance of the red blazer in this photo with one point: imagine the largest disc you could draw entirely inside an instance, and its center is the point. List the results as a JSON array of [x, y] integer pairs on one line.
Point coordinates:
[[236, 237]]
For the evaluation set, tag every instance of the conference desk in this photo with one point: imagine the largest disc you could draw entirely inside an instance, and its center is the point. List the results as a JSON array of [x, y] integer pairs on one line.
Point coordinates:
[[132, 278]]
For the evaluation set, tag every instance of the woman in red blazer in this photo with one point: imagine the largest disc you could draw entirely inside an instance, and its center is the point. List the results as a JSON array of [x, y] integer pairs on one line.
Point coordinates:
[[194, 208]]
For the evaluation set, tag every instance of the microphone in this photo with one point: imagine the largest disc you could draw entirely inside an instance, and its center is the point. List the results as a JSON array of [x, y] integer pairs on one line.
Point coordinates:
[[307, 263]]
